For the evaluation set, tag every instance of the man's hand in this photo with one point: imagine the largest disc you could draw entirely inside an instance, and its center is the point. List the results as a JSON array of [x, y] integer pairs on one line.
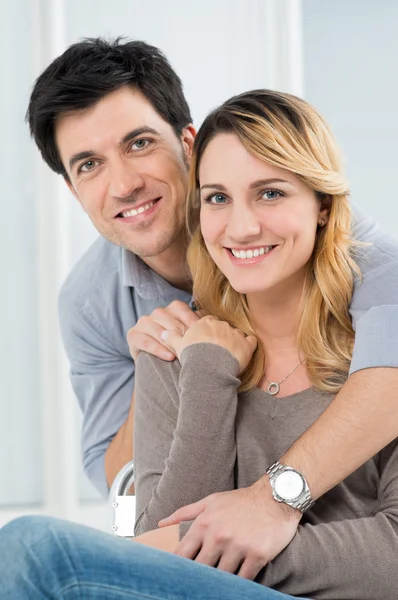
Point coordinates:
[[145, 335], [238, 531]]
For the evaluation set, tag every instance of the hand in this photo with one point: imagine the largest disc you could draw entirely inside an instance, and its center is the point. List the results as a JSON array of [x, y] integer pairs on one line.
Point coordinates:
[[162, 539], [238, 531], [145, 335], [212, 330]]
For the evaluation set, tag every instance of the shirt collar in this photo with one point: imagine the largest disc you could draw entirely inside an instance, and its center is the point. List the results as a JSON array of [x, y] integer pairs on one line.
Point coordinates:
[[148, 284]]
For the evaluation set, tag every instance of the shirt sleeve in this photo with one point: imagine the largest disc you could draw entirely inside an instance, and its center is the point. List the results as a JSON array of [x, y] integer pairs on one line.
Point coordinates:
[[374, 306], [102, 379], [184, 441], [351, 559]]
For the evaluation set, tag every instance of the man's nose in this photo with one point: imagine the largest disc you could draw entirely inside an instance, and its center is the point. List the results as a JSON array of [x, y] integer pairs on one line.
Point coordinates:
[[242, 224], [124, 179]]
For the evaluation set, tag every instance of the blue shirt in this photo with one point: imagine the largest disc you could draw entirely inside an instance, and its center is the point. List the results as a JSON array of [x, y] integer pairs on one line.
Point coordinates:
[[110, 289]]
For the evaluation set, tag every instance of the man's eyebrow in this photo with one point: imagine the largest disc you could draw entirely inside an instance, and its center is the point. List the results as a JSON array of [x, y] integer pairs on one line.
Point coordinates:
[[136, 132], [255, 184], [80, 156], [85, 154]]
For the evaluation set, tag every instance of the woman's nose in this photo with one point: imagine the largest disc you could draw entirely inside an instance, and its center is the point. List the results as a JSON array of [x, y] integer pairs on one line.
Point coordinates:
[[243, 224]]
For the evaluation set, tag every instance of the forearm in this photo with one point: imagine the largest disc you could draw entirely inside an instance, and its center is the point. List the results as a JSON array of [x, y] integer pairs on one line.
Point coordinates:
[[120, 450], [196, 456], [361, 420]]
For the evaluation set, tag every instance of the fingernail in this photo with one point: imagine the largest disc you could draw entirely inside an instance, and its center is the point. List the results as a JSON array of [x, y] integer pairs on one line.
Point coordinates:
[[164, 335]]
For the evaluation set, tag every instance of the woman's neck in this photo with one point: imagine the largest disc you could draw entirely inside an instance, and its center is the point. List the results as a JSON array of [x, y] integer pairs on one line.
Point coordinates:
[[276, 319]]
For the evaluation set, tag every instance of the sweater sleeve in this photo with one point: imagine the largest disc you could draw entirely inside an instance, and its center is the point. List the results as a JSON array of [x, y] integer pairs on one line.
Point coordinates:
[[184, 441], [350, 559]]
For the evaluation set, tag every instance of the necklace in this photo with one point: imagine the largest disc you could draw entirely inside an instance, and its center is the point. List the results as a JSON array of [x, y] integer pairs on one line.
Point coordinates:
[[273, 387]]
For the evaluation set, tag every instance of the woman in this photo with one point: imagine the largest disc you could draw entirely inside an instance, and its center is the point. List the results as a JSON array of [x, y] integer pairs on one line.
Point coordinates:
[[273, 263]]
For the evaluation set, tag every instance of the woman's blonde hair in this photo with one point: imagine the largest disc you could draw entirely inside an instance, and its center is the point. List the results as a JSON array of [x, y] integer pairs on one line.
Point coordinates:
[[286, 132]]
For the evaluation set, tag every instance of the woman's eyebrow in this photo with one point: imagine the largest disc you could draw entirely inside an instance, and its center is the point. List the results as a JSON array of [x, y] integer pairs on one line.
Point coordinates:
[[214, 186], [271, 180], [253, 185]]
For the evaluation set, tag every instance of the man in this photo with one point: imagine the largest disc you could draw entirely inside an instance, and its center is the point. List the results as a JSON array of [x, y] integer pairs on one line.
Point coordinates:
[[112, 119]]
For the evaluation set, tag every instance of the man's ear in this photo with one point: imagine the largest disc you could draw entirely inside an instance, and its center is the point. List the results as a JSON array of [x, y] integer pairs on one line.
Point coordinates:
[[187, 139]]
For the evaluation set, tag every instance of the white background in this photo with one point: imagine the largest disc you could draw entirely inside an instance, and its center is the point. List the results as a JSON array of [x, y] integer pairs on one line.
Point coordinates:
[[339, 54]]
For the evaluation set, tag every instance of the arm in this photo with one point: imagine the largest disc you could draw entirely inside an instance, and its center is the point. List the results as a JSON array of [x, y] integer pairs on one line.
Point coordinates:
[[120, 450], [350, 431], [346, 559], [354, 428], [102, 378], [184, 444]]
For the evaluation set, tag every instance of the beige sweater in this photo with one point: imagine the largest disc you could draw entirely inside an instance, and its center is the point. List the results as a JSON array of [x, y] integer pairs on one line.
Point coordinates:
[[195, 435]]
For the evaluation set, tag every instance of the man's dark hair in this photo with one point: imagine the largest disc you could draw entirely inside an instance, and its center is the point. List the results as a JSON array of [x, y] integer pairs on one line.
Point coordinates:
[[89, 70]]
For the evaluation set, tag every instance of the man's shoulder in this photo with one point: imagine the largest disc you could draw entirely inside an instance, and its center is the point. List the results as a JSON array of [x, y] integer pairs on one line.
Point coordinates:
[[380, 244], [96, 272]]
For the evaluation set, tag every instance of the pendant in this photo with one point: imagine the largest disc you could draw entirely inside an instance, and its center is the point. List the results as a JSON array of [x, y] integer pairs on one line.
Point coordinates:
[[273, 388]]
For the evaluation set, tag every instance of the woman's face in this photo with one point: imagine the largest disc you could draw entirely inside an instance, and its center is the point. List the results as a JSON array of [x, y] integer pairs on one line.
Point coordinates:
[[258, 221]]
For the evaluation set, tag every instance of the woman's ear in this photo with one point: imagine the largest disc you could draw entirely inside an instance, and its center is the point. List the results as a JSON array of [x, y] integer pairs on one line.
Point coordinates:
[[324, 209]]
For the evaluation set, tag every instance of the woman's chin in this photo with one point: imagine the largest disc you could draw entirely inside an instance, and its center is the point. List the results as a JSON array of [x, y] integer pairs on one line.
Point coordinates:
[[249, 288]]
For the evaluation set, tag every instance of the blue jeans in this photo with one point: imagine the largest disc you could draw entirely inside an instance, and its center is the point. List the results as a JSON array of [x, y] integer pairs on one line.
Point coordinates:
[[42, 557]]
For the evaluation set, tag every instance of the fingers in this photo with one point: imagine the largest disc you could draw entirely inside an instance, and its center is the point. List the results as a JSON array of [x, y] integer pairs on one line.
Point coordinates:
[[186, 513], [250, 569], [148, 339], [172, 339], [189, 546], [230, 561], [182, 314], [146, 334], [208, 556]]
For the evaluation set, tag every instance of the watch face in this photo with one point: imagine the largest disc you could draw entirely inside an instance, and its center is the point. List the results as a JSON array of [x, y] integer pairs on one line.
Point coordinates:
[[289, 485]]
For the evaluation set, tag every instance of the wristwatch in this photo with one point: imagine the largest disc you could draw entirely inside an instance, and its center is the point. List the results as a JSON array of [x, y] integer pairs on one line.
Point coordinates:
[[289, 486]]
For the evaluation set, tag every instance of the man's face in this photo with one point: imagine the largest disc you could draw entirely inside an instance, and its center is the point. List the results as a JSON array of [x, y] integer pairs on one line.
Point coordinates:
[[128, 169]]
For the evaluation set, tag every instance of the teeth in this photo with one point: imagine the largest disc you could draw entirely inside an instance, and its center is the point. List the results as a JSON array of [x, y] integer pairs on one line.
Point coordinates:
[[134, 212], [251, 253]]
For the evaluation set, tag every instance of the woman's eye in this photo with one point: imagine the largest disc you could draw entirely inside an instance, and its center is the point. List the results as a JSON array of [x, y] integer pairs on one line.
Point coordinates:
[[216, 199], [271, 194]]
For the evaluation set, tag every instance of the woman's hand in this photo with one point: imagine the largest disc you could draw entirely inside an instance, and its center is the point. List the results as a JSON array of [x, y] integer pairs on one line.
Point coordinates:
[[212, 330]]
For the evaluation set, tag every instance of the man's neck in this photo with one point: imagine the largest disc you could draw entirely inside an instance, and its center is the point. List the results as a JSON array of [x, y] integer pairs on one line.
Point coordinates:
[[172, 266]]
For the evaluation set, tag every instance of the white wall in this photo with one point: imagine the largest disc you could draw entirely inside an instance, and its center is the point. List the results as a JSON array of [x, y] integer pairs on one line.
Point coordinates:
[[350, 75]]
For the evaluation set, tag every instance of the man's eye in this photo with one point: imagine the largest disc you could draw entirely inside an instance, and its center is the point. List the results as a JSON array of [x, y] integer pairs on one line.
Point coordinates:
[[87, 166], [140, 144]]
